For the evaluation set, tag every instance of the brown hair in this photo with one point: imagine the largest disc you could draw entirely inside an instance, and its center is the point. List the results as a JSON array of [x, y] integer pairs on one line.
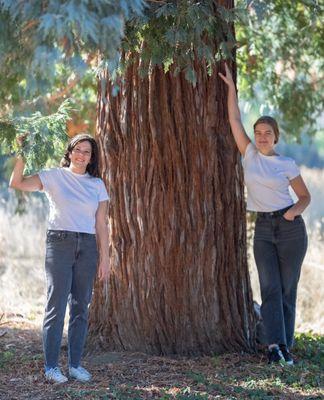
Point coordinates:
[[265, 119], [93, 166]]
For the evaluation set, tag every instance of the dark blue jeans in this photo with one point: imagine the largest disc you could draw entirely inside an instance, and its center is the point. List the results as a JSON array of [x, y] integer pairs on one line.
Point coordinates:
[[70, 266], [279, 250]]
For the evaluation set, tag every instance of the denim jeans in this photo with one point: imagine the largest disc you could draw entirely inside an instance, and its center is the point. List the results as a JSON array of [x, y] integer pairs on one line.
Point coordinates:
[[70, 266], [279, 249]]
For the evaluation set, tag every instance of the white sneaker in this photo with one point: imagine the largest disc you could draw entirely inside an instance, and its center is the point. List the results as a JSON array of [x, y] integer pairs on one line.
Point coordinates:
[[80, 374], [55, 375]]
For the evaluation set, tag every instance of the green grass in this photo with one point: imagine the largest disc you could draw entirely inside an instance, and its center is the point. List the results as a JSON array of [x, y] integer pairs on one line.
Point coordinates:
[[6, 358]]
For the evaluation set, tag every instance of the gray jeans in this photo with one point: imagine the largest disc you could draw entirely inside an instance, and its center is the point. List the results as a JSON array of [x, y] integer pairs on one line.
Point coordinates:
[[279, 250], [70, 266]]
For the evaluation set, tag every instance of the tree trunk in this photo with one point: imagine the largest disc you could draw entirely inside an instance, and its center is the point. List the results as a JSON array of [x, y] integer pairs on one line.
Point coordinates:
[[179, 281]]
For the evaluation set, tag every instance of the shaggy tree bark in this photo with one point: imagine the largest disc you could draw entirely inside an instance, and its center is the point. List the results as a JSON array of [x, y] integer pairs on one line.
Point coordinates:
[[179, 281]]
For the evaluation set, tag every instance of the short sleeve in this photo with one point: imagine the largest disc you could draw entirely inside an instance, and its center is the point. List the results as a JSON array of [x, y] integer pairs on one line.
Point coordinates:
[[293, 170], [103, 194], [249, 151], [47, 177]]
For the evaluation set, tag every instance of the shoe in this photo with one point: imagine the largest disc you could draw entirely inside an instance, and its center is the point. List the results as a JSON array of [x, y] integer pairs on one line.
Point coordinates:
[[55, 375], [287, 356], [275, 356], [80, 374]]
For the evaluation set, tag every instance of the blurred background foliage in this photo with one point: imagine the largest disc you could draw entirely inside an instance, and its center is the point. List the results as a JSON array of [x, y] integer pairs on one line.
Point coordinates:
[[54, 50], [280, 61]]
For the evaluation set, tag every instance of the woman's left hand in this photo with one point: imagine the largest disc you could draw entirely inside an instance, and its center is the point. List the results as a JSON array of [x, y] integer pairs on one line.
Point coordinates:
[[104, 270], [289, 215]]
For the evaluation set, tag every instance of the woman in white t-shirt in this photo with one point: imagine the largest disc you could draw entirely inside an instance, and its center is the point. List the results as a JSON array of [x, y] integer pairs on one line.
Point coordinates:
[[76, 229], [280, 239]]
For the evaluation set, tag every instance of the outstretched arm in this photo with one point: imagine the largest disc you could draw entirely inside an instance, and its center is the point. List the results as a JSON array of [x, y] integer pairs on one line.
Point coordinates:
[[25, 183], [240, 136]]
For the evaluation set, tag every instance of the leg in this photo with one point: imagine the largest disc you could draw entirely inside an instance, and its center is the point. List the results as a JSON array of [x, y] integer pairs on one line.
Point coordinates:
[[266, 259], [291, 252], [58, 268], [84, 271]]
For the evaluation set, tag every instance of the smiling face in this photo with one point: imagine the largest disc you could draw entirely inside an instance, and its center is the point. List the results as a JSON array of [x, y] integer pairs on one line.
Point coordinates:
[[265, 138], [80, 156]]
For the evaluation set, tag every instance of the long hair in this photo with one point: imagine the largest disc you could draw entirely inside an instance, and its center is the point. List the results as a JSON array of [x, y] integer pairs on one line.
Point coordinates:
[[93, 166], [265, 119]]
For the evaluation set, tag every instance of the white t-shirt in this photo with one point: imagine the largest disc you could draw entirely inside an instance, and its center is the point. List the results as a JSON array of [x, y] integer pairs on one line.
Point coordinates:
[[73, 199], [267, 180]]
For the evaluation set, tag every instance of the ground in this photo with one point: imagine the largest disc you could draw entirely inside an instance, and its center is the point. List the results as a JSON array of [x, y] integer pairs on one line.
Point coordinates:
[[139, 376]]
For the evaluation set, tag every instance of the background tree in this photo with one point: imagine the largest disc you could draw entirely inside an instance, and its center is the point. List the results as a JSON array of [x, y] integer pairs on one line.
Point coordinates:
[[180, 281]]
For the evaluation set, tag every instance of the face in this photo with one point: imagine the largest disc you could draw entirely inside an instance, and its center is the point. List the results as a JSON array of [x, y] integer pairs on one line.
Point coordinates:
[[264, 138], [80, 155]]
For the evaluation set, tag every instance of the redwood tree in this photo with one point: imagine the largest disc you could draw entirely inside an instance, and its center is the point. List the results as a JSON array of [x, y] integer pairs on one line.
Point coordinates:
[[179, 280]]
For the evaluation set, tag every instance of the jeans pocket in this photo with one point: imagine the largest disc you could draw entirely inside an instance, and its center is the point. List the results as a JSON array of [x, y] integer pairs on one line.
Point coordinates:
[[296, 220], [55, 236]]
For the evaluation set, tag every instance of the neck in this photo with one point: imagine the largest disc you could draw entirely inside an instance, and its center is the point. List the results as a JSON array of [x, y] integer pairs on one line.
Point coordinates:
[[268, 152], [77, 170]]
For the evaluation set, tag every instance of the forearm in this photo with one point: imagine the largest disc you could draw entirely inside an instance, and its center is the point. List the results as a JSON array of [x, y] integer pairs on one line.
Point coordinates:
[[300, 205], [21, 182], [17, 175], [234, 114], [102, 241]]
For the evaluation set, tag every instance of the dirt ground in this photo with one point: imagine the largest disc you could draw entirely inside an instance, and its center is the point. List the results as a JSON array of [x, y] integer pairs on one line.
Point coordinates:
[[139, 376]]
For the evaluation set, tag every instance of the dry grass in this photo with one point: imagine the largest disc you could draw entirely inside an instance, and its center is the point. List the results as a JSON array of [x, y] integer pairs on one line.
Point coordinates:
[[22, 247]]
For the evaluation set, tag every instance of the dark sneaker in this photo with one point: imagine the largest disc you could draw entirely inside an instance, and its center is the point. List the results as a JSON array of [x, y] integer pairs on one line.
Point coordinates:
[[275, 356], [287, 356]]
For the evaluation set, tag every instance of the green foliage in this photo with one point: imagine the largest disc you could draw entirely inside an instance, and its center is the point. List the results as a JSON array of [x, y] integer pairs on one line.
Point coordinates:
[[44, 46], [44, 135], [178, 33], [48, 52], [54, 32], [311, 346], [281, 53]]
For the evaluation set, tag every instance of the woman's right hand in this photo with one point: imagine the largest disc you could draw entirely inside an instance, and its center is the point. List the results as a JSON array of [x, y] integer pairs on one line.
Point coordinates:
[[20, 140], [227, 78]]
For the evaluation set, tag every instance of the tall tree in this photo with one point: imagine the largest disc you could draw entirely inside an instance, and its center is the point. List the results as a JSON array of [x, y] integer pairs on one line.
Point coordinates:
[[179, 281]]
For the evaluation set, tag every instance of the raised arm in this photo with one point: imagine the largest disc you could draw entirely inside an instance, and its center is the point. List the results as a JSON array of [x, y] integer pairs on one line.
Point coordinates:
[[25, 183], [239, 134]]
